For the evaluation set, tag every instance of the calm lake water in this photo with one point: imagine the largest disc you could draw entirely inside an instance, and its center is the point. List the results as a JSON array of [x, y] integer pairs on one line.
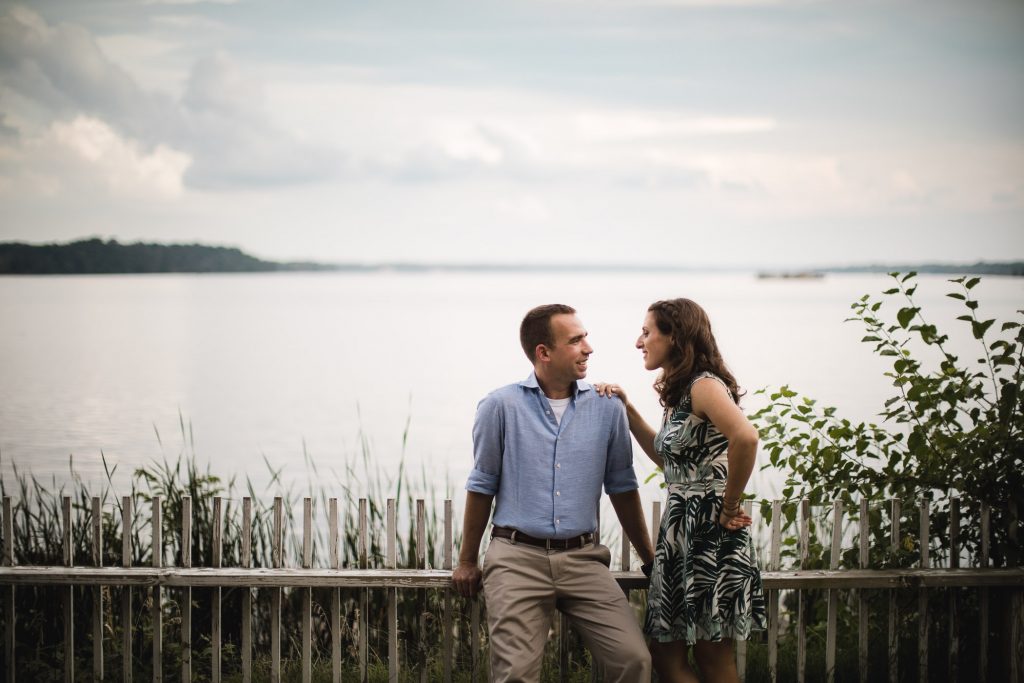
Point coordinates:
[[275, 368]]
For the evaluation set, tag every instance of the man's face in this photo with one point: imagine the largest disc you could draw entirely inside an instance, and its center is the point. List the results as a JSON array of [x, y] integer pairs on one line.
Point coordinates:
[[567, 359]]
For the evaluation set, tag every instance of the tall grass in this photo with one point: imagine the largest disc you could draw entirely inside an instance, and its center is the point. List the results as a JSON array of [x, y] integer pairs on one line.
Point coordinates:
[[38, 541]]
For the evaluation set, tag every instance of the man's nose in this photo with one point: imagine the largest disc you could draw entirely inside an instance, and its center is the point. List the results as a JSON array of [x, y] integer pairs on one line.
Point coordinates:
[[587, 348]]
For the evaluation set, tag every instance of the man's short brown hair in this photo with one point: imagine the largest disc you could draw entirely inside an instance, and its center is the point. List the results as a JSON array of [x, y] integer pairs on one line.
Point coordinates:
[[536, 327]]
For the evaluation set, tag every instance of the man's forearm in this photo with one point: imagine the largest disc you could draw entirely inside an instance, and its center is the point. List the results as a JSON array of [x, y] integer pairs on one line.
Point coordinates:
[[474, 522], [631, 516]]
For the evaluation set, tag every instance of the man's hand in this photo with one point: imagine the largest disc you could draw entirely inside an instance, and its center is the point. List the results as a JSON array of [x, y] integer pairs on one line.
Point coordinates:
[[466, 579]]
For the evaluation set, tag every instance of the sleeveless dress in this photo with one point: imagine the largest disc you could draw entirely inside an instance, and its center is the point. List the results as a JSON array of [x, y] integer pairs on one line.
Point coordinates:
[[705, 584]]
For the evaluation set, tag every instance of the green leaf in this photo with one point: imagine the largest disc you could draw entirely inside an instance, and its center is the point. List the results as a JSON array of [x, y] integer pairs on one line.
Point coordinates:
[[1009, 326], [905, 315], [956, 295], [973, 305], [894, 290], [872, 338], [909, 275], [980, 328], [972, 282]]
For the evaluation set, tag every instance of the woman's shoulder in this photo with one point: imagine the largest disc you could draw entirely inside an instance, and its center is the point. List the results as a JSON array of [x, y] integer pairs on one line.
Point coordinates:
[[707, 375]]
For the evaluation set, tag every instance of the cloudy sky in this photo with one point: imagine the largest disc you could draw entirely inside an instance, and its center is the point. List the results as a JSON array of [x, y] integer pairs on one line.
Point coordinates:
[[677, 132]]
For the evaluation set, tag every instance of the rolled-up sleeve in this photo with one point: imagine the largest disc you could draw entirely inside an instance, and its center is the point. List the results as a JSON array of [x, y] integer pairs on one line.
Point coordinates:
[[619, 476], [488, 446]]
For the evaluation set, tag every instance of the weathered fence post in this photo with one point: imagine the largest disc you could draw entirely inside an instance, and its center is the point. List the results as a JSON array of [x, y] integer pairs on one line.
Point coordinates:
[[126, 600], [894, 624], [9, 611], [186, 592], [862, 598], [833, 593], [69, 598], [157, 611], [774, 565], [97, 592]]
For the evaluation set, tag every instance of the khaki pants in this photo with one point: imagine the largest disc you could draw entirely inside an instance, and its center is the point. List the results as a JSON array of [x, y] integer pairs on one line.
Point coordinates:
[[524, 585]]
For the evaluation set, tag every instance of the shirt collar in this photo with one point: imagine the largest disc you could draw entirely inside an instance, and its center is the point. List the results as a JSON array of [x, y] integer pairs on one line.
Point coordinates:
[[532, 383]]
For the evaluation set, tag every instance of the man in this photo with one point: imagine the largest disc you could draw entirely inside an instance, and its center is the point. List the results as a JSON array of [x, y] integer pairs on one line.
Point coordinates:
[[542, 450]]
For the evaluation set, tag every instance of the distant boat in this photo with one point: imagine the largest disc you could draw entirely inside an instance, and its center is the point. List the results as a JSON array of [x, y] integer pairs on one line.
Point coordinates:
[[790, 275]]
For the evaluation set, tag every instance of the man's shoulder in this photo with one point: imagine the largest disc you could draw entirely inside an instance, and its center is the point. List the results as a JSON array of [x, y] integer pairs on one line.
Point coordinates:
[[504, 395], [608, 407]]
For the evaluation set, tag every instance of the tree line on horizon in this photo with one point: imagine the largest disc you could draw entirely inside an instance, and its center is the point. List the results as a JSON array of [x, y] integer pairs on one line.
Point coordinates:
[[98, 256]]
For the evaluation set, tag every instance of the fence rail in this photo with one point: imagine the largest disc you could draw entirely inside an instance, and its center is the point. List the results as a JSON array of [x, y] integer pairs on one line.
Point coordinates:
[[156, 578]]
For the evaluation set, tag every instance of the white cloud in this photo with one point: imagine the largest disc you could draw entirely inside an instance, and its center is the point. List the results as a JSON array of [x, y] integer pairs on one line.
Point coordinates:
[[122, 163], [221, 122]]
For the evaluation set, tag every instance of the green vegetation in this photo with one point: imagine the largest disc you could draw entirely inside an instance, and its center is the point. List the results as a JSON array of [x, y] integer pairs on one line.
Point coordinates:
[[952, 428]]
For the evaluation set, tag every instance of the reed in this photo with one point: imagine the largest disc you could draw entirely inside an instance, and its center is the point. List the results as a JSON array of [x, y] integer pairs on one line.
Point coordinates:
[[38, 541]]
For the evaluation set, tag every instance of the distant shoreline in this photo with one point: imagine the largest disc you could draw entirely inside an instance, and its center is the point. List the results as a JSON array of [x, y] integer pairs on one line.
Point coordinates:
[[100, 257]]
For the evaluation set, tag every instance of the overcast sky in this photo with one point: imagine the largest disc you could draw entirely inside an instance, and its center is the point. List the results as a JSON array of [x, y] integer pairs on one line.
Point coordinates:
[[676, 132]]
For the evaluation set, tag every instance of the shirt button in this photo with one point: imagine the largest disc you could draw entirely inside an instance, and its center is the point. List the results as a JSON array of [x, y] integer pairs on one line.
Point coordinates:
[[558, 465], [557, 521], [558, 493]]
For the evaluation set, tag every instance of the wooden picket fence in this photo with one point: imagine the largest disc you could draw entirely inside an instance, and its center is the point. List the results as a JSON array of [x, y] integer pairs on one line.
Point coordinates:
[[391, 578]]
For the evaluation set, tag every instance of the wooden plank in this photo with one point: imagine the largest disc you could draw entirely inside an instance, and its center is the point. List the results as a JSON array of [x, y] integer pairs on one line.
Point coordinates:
[[474, 639], [953, 664], [774, 564], [157, 611], [364, 595], [449, 621], [307, 593], [421, 563], [199, 577], [391, 562], [894, 636], [69, 597], [1016, 646], [97, 591], [983, 598], [246, 561], [215, 622], [741, 645], [801, 619], [335, 592], [624, 554], [277, 552], [126, 600], [563, 646], [862, 598], [9, 612], [186, 592], [922, 597], [833, 593]]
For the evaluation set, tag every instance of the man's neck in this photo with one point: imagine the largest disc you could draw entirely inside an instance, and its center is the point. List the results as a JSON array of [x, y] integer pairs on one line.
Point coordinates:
[[553, 388]]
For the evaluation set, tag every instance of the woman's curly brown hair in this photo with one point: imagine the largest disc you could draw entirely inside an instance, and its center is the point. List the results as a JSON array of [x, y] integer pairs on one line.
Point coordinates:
[[693, 351]]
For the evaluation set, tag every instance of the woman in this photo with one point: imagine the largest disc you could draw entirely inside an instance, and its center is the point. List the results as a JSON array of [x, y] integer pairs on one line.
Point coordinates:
[[705, 586]]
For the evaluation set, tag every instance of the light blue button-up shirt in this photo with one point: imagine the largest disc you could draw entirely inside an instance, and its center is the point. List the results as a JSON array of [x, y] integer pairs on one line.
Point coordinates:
[[546, 476]]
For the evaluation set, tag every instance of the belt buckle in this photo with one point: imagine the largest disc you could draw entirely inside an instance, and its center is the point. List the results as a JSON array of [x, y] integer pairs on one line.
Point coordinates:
[[512, 537]]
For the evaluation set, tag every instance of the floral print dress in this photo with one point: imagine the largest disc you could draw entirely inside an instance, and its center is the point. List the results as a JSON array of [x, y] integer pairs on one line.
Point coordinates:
[[705, 584]]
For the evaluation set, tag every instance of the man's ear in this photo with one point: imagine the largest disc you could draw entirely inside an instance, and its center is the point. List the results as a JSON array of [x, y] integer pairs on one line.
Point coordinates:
[[542, 352]]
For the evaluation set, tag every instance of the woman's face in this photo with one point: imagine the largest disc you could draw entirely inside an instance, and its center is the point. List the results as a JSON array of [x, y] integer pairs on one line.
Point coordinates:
[[655, 346]]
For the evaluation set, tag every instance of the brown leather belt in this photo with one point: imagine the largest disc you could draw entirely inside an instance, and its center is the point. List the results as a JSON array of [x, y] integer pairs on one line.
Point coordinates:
[[517, 536]]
